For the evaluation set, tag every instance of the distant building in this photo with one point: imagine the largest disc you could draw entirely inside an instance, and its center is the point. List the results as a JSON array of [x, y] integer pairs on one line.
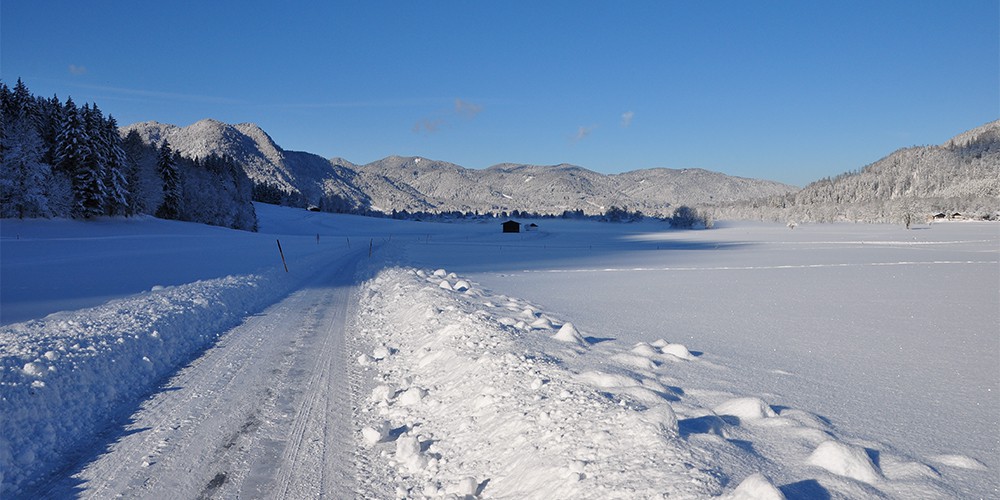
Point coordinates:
[[511, 227]]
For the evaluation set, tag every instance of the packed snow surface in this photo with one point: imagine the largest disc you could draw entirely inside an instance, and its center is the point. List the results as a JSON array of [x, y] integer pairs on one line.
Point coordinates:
[[582, 360]]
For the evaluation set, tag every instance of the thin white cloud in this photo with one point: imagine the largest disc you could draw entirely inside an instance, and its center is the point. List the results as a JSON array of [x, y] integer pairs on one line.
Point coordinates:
[[167, 96], [427, 125], [444, 117], [582, 132], [466, 108], [77, 70], [399, 103], [627, 118]]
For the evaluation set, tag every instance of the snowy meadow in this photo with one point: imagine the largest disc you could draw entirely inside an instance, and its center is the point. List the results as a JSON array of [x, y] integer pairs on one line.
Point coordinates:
[[579, 359]]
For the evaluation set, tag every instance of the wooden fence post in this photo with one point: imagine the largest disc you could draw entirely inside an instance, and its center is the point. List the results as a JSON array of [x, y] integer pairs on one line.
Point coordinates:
[[282, 256]]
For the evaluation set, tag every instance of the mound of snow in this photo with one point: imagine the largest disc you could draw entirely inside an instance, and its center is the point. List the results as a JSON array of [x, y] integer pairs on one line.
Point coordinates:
[[569, 333], [749, 409], [409, 454], [845, 460], [678, 350], [542, 323], [381, 352], [376, 433], [412, 396], [756, 487], [663, 417], [644, 349], [959, 461]]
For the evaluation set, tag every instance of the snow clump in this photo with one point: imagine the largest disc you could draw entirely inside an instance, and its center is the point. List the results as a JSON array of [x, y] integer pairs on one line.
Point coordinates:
[[746, 409], [756, 487], [569, 333], [845, 460]]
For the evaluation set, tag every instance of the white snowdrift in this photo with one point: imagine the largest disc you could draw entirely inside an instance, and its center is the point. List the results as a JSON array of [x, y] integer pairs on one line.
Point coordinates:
[[471, 401], [500, 413], [65, 377]]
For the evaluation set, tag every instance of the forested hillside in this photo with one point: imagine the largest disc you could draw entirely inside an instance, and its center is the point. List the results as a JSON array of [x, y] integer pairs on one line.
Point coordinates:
[[58, 159], [960, 176]]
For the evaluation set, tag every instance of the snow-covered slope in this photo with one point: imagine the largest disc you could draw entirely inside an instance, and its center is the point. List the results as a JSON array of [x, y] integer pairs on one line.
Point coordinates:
[[557, 188], [264, 161], [420, 184], [962, 175]]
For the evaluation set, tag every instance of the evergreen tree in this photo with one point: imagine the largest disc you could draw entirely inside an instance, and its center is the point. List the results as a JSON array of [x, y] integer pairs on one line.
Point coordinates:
[[50, 117], [166, 165], [134, 150], [72, 143], [117, 201], [24, 178], [89, 191]]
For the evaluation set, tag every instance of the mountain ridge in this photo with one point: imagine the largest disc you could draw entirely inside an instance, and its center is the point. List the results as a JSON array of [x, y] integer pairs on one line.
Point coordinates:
[[415, 183]]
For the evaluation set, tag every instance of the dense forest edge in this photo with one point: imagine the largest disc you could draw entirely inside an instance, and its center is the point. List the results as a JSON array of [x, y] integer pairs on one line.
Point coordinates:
[[58, 159]]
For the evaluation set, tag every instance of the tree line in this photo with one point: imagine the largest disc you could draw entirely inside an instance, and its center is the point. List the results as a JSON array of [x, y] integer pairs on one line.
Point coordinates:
[[911, 184], [58, 159]]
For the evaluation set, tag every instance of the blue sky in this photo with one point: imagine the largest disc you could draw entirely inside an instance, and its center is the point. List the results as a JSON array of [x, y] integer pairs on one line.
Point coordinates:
[[785, 90]]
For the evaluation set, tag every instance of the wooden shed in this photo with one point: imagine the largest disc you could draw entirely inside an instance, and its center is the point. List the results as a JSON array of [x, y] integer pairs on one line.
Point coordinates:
[[511, 227]]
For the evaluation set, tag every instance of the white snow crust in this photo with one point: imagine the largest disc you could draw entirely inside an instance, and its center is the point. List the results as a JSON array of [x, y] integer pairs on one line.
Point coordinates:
[[545, 365]]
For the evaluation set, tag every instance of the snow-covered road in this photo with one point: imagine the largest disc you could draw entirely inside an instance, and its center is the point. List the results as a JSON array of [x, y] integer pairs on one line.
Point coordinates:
[[264, 413]]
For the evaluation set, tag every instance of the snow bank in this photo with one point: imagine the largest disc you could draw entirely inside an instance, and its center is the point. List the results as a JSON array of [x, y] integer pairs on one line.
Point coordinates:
[[472, 395], [482, 406], [67, 376]]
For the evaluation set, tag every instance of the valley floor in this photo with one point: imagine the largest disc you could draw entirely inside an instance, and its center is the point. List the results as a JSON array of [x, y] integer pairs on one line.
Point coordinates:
[[414, 360]]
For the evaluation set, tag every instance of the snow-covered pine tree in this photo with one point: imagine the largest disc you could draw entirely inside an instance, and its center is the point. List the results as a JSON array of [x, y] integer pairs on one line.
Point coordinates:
[[167, 167], [50, 117], [72, 143], [89, 191], [4, 100], [23, 176], [116, 168], [135, 150]]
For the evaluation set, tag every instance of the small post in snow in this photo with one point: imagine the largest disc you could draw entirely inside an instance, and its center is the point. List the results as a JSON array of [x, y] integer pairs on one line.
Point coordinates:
[[282, 256], [370, 245], [317, 238], [348, 242]]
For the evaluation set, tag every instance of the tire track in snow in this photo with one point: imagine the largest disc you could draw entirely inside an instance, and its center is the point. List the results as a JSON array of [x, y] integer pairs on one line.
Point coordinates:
[[312, 464]]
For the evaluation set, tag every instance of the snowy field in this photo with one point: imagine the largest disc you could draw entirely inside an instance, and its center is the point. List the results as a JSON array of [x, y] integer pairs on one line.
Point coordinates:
[[580, 360]]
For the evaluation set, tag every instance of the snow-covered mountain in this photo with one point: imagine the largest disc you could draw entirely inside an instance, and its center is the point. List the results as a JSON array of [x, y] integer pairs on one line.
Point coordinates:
[[264, 161], [420, 184], [961, 175]]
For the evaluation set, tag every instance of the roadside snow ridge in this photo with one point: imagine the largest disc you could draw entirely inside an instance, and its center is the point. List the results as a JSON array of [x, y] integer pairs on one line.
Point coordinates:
[[479, 395]]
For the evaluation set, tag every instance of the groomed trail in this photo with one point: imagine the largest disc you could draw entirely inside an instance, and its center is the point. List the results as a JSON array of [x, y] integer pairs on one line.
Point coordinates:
[[265, 413]]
